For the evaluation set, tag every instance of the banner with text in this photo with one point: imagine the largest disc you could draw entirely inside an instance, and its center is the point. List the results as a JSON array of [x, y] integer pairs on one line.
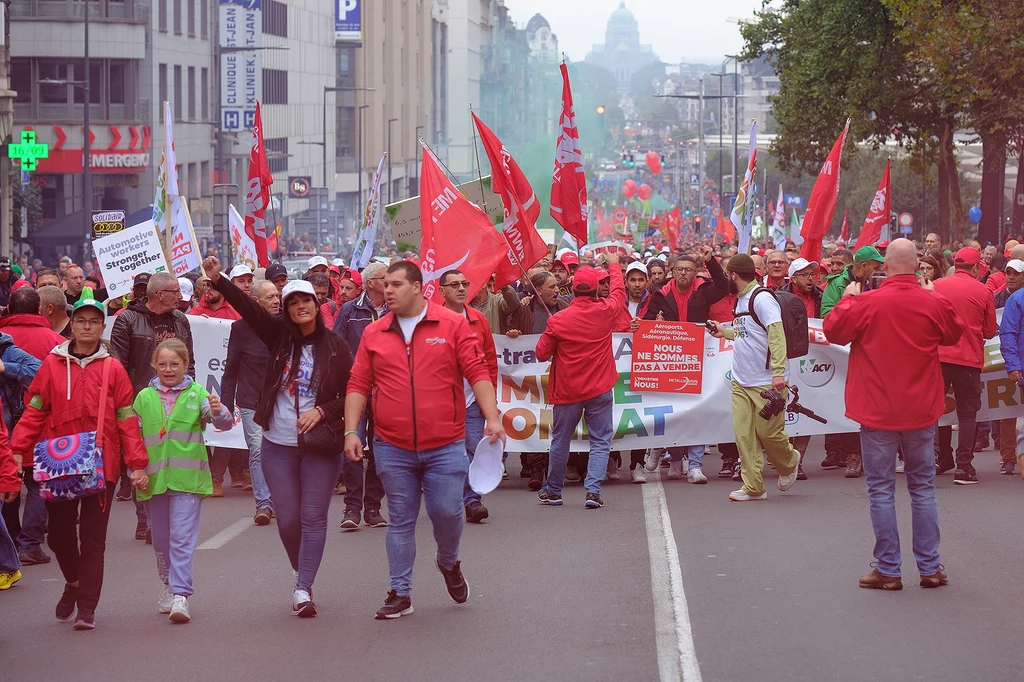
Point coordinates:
[[210, 343], [127, 253]]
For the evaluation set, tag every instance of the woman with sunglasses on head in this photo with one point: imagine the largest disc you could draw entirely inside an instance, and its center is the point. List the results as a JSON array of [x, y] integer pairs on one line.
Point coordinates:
[[301, 409]]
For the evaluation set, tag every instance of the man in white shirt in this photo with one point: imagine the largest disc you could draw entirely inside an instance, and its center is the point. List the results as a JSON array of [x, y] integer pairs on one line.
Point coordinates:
[[758, 364]]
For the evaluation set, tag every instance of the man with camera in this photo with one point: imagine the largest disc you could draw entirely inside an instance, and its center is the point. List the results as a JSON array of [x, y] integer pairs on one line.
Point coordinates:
[[759, 380]]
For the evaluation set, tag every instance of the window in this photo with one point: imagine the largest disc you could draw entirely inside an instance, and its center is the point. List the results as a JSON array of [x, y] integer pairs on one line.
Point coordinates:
[[345, 125], [204, 19], [275, 18], [191, 14], [204, 180], [277, 154], [95, 81], [162, 79], [275, 86], [116, 90], [177, 93], [177, 17], [161, 15], [346, 67], [21, 79], [192, 93], [204, 84]]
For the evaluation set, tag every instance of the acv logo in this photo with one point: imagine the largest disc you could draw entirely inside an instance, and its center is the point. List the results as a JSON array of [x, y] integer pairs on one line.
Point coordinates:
[[816, 369]]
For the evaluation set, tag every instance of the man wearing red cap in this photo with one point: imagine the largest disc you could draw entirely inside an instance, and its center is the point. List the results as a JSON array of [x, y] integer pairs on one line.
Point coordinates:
[[962, 363], [577, 340]]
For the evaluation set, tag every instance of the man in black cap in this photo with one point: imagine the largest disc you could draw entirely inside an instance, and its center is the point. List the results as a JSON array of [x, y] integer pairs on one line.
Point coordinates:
[[278, 274], [7, 280], [139, 285]]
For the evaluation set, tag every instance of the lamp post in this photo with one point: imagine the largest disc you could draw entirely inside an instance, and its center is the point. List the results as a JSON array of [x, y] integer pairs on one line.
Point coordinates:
[[359, 204], [323, 130], [390, 121], [720, 151], [417, 161]]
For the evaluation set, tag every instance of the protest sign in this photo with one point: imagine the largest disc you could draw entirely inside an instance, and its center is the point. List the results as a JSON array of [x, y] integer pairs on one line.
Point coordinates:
[[404, 216], [668, 357], [210, 344], [106, 223], [127, 253]]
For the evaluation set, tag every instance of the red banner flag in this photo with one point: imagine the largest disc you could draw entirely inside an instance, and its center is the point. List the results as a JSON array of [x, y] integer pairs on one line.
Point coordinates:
[[456, 233], [525, 245], [568, 181], [674, 222], [257, 192], [880, 212], [822, 204], [844, 231], [726, 229]]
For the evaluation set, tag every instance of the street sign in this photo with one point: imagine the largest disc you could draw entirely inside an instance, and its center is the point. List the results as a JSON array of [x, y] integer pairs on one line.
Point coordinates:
[[793, 200], [694, 179], [28, 150], [106, 222], [299, 186], [906, 220], [906, 230]]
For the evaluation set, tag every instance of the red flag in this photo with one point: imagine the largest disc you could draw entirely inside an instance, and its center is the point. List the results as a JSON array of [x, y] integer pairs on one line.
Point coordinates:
[[257, 192], [568, 181], [878, 215], [726, 229], [456, 233], [674, 220], [822, 204], [525, 245], [844, 232]]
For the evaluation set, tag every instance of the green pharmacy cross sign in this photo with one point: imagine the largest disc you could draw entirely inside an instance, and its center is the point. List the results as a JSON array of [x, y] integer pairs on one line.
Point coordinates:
[[28, 150]]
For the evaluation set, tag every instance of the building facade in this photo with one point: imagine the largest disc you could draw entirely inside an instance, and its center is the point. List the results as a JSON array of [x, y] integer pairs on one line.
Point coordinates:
[[622, 54]]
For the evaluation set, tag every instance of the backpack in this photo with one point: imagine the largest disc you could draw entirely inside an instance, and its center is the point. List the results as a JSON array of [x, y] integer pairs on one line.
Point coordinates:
[[794, 321]]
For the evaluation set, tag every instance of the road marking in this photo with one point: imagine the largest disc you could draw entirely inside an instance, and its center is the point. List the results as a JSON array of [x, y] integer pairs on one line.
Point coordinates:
[[677, 656], [227, 535]]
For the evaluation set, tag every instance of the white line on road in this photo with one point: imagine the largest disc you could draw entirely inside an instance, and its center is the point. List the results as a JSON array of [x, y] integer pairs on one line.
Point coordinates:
[[227, 535], [677, 656]]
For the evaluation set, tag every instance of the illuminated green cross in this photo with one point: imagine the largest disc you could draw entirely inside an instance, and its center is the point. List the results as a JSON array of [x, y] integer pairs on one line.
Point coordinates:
[[28, 150]]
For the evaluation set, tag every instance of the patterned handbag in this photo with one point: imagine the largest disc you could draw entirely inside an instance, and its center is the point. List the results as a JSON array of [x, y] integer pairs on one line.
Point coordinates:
[[70, 467]]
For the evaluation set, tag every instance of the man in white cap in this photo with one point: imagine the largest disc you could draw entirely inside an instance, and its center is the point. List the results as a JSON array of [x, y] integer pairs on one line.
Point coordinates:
[[241, 276], [187, 289], [1008, 427], [317, 264]]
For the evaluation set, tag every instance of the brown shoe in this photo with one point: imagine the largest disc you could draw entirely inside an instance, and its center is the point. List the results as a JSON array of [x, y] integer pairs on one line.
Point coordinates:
[[218, 489], [937, 579], [876, 581], [237, 479], [246, 480], [854, 469]]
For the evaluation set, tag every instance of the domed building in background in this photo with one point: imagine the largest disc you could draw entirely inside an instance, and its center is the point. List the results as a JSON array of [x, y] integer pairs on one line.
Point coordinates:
[[622, 54], [543, 43]]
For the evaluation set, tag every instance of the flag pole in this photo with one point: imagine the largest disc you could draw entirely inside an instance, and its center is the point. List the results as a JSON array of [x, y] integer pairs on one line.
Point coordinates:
[[168, 214], [437, 158]]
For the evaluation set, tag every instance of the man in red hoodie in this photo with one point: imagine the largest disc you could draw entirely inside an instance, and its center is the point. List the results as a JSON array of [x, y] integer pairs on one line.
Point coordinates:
[[578, 341], [962, 363], [895, 391]]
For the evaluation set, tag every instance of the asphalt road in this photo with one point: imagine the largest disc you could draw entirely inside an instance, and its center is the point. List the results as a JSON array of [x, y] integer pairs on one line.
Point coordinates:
[[769, 592]]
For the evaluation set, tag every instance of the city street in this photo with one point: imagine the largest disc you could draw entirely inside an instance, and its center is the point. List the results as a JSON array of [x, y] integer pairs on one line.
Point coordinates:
[[770, 590]]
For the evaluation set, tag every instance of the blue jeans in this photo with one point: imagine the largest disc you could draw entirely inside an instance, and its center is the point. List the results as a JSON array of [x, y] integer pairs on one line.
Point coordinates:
[[438, 476], [301, 485], [254, 439], [175, 521], [33, 518], [597, 412], [8, 552], [474, 433], [694, 455], [878, 451], [363, 488]]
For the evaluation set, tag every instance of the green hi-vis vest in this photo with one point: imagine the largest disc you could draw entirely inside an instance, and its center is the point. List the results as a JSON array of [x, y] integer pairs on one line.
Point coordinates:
[[177, 455]]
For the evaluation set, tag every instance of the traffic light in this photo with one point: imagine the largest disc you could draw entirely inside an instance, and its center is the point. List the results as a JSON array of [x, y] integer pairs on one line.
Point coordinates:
[[662, 160], [625, 160], [632, 163], [687, 211], [696, 224]]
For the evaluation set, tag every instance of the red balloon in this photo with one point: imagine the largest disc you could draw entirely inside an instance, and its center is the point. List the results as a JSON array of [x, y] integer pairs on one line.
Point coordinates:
[[644, 192], [654, 162], [628, 188]]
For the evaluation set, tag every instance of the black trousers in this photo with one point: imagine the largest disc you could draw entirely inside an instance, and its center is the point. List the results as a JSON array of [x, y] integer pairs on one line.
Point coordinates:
[[966, 383], [79, 547]]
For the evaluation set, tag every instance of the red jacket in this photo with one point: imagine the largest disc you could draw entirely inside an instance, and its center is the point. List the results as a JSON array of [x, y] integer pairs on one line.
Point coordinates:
[[578, 340], [894, 381], [976, 306], [416, 389], [64, 399], [31, 333], [225, 312], [482, 330], [10, 482]]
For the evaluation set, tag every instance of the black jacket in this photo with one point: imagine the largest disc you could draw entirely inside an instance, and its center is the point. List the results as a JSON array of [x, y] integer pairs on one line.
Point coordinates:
[[244, 369], [355, 316], [137, 332], [330, 367], [815, 294], [701, 300]]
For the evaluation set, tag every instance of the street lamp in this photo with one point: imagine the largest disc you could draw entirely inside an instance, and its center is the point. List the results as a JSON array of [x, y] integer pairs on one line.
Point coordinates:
[[390, 121], [720, 152], [359, 206], [323, 132]]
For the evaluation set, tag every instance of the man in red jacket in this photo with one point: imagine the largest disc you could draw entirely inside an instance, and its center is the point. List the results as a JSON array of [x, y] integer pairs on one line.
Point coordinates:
[[414, 361], [962, 363], [455, 289], [895, 391], [578, 341]]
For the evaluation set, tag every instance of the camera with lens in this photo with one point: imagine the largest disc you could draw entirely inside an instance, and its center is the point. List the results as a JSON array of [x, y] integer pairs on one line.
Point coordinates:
[[775, 405]]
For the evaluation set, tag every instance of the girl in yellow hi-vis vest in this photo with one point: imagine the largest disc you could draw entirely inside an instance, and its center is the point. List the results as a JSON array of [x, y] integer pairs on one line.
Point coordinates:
[[172, 411]]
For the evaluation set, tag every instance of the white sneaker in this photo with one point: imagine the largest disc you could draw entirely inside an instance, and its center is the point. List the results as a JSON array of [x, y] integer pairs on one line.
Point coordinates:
[[613, 470], [179, 609], [685, 463], [786, 482], [675, 470], [651, 459], [165, 601], [638, 475], [900, 465], [302, 604], [741, 496], [696, 476]]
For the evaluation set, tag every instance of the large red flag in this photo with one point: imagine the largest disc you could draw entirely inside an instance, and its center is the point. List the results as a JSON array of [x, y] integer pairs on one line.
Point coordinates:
[[525, 245], [568, 181], [257, 192], [844, 231], [674, 221], [822, 204], [726, 229], [456, 233], [879, 213]]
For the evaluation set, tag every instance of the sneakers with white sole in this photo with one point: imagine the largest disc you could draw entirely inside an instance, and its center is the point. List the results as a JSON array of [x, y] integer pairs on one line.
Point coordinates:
[[696, 476], [651, 459], [638, 475], [179, 609], [675, 470], [786, 482], [742, 496], [165, 602], [302, 604]]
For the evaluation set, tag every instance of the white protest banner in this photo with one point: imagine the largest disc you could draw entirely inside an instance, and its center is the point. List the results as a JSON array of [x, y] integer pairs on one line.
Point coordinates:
[[210, 343], [646, 419], [124, 254]]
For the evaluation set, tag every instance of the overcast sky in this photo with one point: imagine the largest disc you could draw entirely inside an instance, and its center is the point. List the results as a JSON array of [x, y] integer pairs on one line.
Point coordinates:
[[679, 30]]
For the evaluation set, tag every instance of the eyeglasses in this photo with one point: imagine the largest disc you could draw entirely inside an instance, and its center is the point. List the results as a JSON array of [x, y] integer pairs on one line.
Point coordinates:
[[84, 322], [176, 292], [457, 285], [808, 275], [778, 262]]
